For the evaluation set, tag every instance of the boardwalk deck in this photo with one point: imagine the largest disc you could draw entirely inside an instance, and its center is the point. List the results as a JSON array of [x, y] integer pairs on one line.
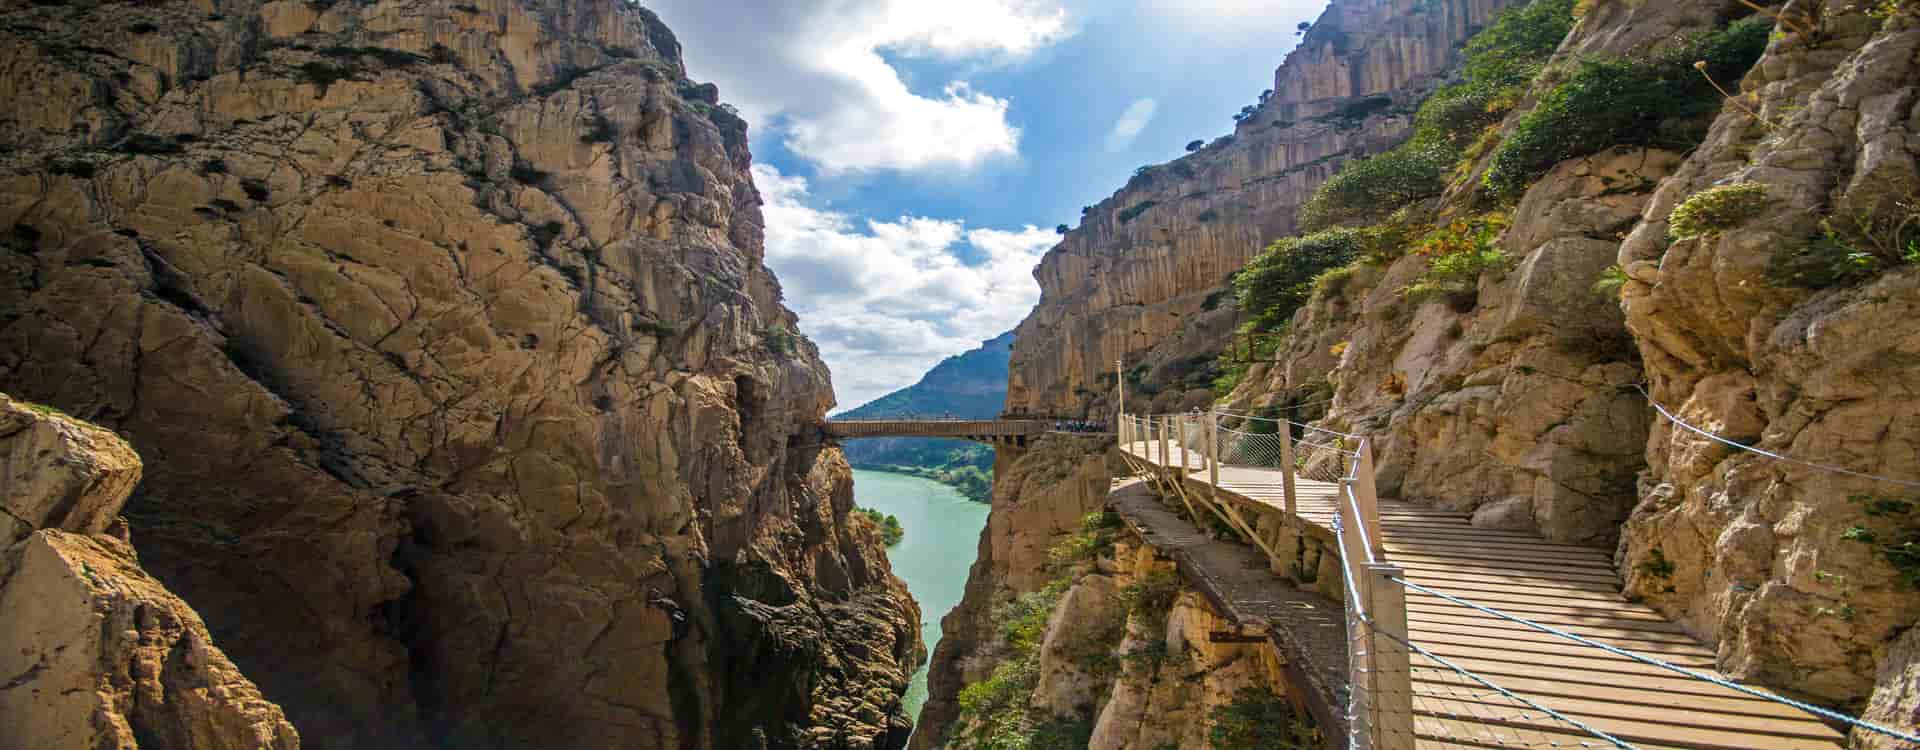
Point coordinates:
[[1568, 587]]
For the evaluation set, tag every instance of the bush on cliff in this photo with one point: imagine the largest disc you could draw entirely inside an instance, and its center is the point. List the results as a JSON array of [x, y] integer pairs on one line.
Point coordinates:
[[1659, 100], [1279, 280], [889, 525], [996, 710], [1259, 719]]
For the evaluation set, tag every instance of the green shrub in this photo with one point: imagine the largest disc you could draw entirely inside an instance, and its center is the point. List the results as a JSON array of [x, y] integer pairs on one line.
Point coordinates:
[[1512, 48], [1023, 621], [998, 705], [1062, 733], [1461, 252], [890, 529], [1096, 538], [1258, 719], [1903, 551], [780, 341], [1372, 187], [1500, 62], [1716, 209], [1151, 598], [1134, 211], [1851, 250], [1280, 279], [1659, 100], [1656, 565], [1232, 368], [1611, 282], [1150, 656]]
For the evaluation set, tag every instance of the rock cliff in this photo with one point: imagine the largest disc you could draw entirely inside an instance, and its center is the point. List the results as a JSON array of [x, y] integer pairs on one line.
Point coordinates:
[[1040, 495], [97, 653], [1150, 261], [1798, 572], [471, 415]]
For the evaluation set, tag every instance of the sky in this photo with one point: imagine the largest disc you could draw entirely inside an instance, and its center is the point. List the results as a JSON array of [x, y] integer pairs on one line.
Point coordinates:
[[914, 156]]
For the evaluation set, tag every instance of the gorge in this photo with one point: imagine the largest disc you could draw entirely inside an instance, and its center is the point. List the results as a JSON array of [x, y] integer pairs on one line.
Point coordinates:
[[410, 374]]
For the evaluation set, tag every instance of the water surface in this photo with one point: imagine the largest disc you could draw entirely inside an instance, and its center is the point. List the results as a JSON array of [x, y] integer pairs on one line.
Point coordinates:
[[943, 534]]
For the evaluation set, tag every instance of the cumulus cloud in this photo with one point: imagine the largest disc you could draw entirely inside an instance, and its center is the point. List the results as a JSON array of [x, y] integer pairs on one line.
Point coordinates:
[[1131, 122], [886, 300], [816, 72]]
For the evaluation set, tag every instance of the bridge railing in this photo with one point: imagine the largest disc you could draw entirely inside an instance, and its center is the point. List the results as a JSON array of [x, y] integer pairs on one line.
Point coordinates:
[[1379, 708]]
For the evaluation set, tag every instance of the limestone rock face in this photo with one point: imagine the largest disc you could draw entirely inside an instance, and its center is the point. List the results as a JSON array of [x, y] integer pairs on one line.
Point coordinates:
[[59, 473], [1144, 263], [1754, 552], [1170, 703], [471, 415], [96, 653], [101, 655], [1040, 495]]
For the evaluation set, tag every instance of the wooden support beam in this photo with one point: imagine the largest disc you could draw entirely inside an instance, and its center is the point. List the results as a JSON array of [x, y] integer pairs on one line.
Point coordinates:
[[1232, 636]]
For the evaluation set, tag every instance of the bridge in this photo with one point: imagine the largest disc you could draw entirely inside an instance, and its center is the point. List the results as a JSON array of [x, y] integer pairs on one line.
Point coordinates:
[[1455, 636], [1014, 432]]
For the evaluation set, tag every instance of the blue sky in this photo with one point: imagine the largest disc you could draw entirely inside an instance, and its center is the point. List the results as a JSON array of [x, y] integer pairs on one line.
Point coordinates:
[[915, 155]]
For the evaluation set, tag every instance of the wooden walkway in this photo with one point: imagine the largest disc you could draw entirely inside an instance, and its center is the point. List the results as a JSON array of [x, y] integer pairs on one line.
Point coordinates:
[[1568, 587]]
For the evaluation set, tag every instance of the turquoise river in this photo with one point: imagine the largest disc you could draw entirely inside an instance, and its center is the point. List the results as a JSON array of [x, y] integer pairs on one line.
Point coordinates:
[[943, 534]]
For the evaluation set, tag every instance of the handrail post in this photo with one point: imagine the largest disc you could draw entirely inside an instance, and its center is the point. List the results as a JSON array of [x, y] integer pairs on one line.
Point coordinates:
[[1213, 449], [1391, 704], [1369, 499], [1287, 469], [1164, 420]]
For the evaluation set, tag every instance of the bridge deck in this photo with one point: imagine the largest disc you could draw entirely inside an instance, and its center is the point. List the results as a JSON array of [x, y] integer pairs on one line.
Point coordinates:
[[1572, 588], [967, 429]]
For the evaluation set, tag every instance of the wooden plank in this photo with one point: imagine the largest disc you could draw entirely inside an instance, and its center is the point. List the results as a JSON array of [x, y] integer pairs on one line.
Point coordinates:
[[1430, 638], [1510, 630], [1575, 615], [1561, 620], [1528, 567], [1488, 575], [1652, 690], [1487, 554], [1503, 712], [1482, 592], [1594, 660], [1416, 563], [1444, 731], [1726, 702], [1602, 712]]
